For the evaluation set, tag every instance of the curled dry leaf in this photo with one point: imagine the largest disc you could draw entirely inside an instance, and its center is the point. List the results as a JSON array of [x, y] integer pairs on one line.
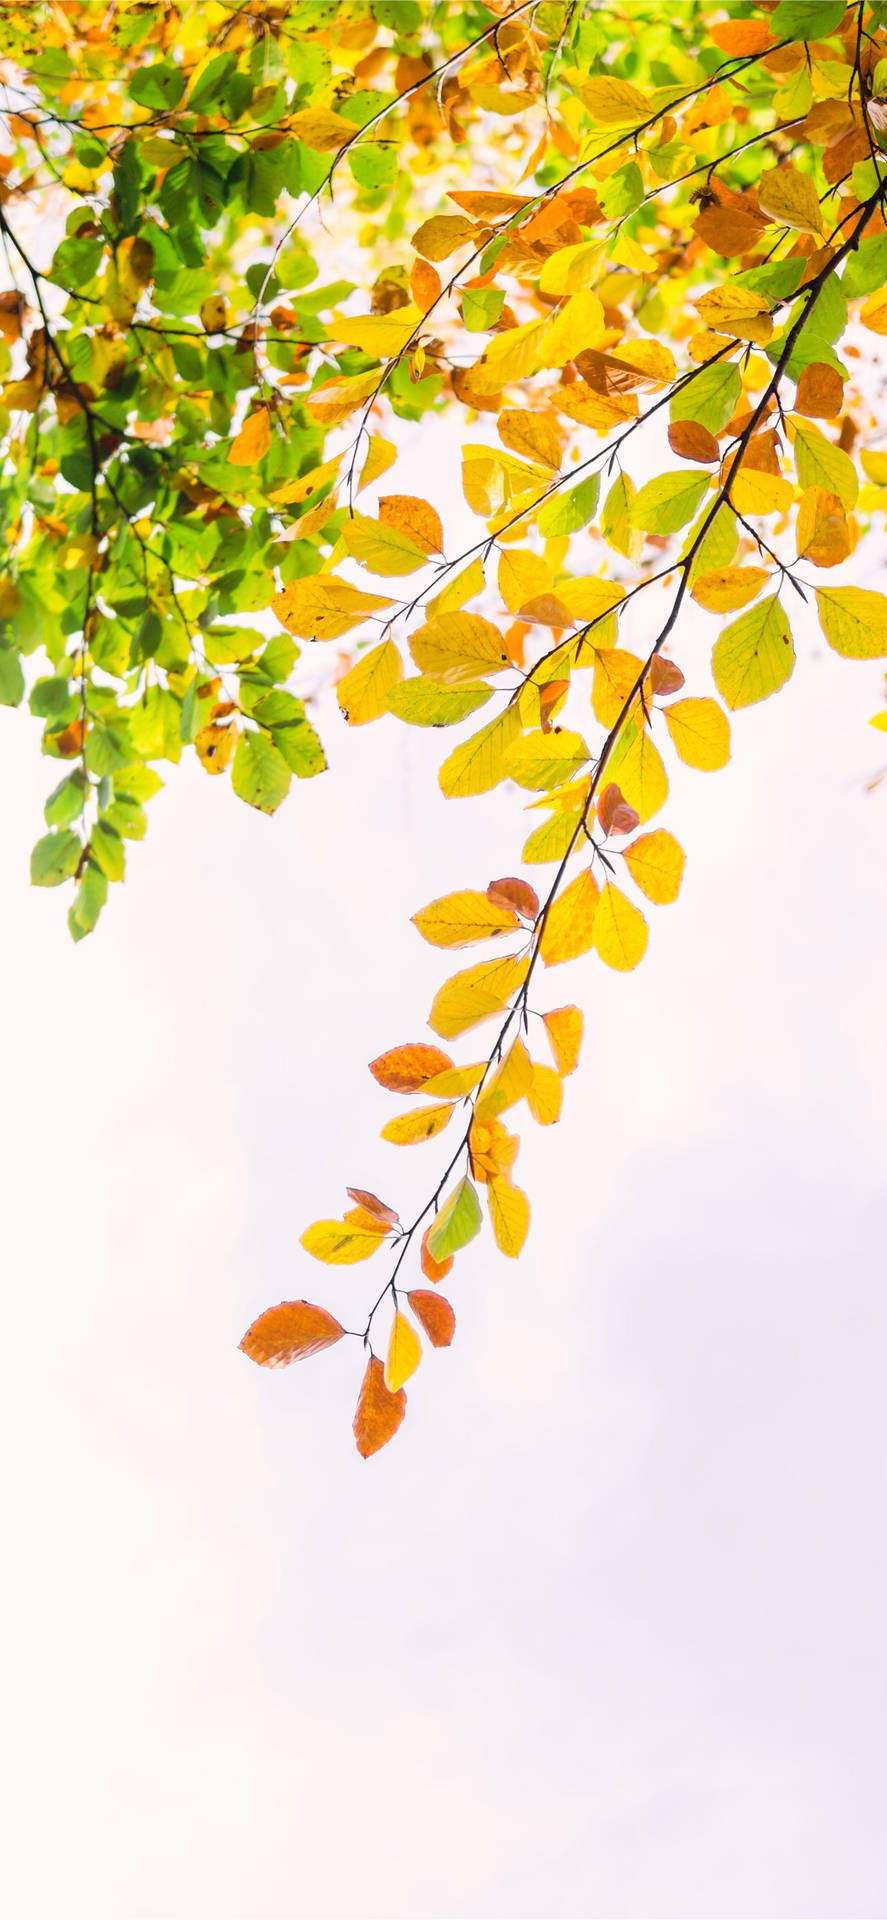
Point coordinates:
[[290, 1332], [371, 1205], [614, 813], [664, 677], [517, 894], [378, 1413]]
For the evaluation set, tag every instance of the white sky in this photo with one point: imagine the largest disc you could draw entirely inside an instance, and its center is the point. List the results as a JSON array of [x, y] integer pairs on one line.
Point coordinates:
[[601, 1633]]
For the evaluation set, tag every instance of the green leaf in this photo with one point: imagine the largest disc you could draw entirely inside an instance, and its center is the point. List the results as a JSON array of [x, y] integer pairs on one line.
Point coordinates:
[[65, 803], [666, 504], [108, 851], [854, 621], [481, 307], [754, 656], [806, 19], [569, 512], [458, 1221], [822, 464], [866, 269], [260, 775], [428, 703], [12, 680], [711, 397], [89, 899], [54, 859]]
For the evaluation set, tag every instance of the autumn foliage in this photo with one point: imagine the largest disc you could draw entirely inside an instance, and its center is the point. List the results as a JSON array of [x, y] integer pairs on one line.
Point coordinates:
[[639, 256]]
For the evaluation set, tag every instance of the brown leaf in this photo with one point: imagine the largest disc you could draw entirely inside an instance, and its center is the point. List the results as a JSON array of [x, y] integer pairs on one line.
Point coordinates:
[[691, 441], [820, 393], [376, 1208], [378, 1413], [70, 741], [290, 1332], [664, 676], [405, 1069], [433, 1269], [727, 230], [614, 813], [514, 893], [435, 1316]]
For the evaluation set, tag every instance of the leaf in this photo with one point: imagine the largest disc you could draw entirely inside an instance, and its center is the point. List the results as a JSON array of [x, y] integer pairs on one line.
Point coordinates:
[[822, 530], [664, 677], [642, 776], [334, 400], [253, 440], [509, 1216], [546, 760], [54, 859], [667, 503], [323, 607], [414, 518], [382, 335], [363, 693], [381, 454], [700, 732], [522, 576], [339, 1244], [710, 397], [406, 1069], [459, 919], [458, 1221], [545, 1096], [474, 994], [728, 588], [427, 703], [404, 1353], [372, 1205], [514, 893], [435, 1316], [421, 1124], [820, 392], [533, 435], [820, 464], [614, 813], [620, 931], [738, 312], [754, 655], [479, 763], [381, 549], [854, 621], [656, 864], [458, 646], [692, 441], [435, 1270], [455, 1081], [214, 746], [791, 198], [616, 676], [290, 1332], [379, 1413], [326, 132], [260, 775], [438, 237], [614, 103], [569, 923], [564, 1026]]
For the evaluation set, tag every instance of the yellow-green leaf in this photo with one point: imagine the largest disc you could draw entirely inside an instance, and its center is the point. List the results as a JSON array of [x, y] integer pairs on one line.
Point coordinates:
[[754, 655], [854, 621], [700, 732], [363, 693], [509, 1216], [474, 994], [478, 764], [620, 931], [381, 548]]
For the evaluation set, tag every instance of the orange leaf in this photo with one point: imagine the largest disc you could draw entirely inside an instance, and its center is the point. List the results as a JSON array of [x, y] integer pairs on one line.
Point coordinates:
[[425, 285], [692, 441], [820, 393], [378, 1413], [289, 1332], [738, 37], [514, 893], [435, 1316], [433, 1269], [614, 813], [252, 442], [664, 677], [406, 1069], [371, 1205], [413, 517]]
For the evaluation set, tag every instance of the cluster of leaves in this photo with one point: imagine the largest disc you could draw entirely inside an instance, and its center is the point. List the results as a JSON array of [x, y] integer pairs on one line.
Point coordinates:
[[674, 268]]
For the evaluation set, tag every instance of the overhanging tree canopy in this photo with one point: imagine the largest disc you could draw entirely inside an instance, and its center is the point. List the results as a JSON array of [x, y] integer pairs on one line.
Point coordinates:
[[612, 241]]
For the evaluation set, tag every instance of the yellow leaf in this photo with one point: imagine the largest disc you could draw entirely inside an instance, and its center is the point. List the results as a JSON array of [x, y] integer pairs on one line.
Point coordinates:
[[614, 103], [459, 919], [571, 268], [873, 312], [569, 923], [620, 931], [656, 864], [479, 763], [474, 994], [874, 465], [457, 647], [579, 324], [383, 335], [323, 607], [546, 759], [252, 442], [382, 549], [491, 480], [293, 492], [545, 1096], [823, 531], [363, 693], [422, 1123], [616, 674], [591, 600], [791, 198], [336, 399], [509, 357], [752, 491], [462, 587], [214, 746], [532, 434], [642, 777], [404, 1353], [413, 517], [325, 132], [454, 1082], [729, 588], [521, 576], [736, 311], [441, 235], [507, 1085], [854, 621], [564, 1026], [509, 1216], [408, 1068], [381, 454], [701, 733], [339, 1245]]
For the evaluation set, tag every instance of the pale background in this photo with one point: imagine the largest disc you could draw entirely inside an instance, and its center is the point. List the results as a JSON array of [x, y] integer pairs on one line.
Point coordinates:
[[602, 1632]]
